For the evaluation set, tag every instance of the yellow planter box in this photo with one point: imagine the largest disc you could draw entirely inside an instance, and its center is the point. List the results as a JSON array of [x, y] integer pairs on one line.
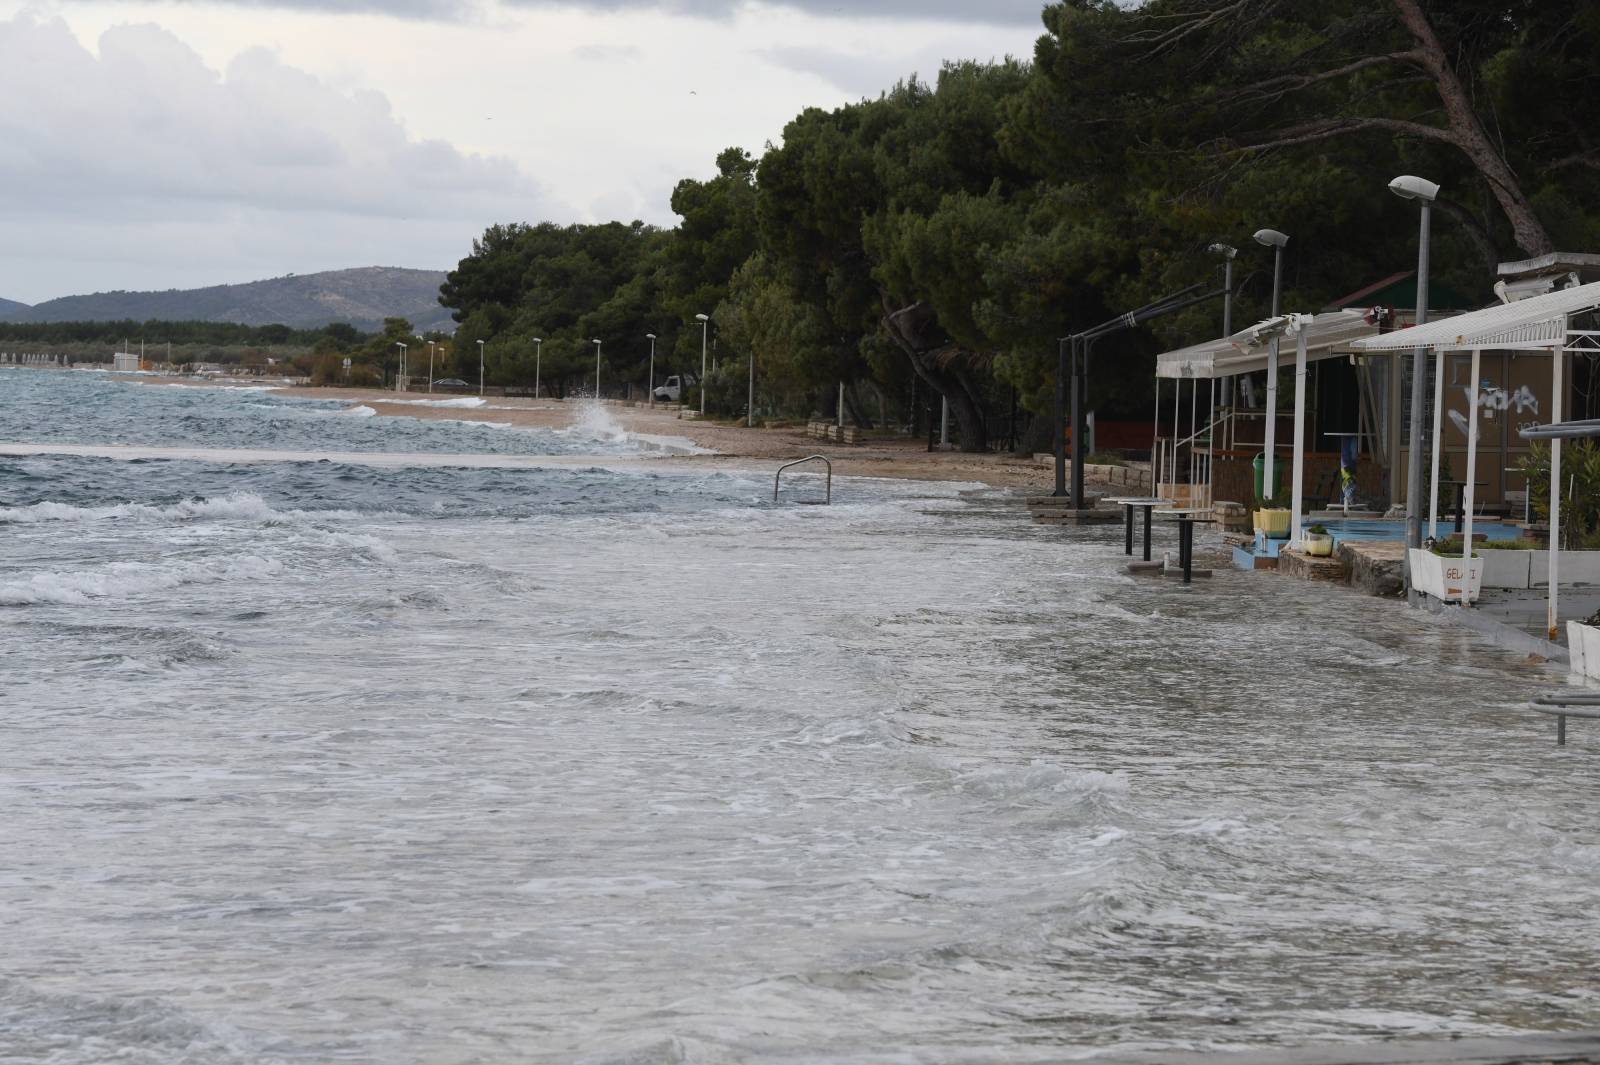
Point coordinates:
[[1274, 523], [1319, 545]]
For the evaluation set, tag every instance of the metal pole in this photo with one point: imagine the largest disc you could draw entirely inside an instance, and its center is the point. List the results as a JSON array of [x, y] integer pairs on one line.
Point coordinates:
[[1060, 445], [1438, 443], [1271, 441], [480, 367], [944, 421], [1298, 490], [1155, 433], [703, 323], [1557, 360], [431, 345], [750, 403], [1227, 325], [1419, 372], [1177, 405], [838, 412], [652, 400], [1467, 489], [597, 371], [1080, 370], [538, 352]]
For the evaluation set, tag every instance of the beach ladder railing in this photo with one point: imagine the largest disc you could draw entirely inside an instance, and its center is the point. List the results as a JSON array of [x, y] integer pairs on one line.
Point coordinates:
[[827, 497]]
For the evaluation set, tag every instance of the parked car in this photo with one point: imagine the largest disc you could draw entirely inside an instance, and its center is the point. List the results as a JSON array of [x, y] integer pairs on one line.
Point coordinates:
[[671, 390], [450, 382]]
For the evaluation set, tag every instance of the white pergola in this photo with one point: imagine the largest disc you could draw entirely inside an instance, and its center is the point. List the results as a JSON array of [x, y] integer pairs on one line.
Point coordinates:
[[1539, 324], [1317, 336]]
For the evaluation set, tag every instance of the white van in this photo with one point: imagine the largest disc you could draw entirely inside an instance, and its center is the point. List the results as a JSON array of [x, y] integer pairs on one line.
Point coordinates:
[[671, 390]]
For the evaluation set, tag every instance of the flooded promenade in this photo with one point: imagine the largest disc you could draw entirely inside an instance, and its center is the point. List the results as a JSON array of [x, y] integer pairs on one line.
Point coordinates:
[[337, 762]]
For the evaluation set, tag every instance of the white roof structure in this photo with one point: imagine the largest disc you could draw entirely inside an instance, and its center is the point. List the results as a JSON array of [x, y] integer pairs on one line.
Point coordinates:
[[1328, 336], [1533, 324]]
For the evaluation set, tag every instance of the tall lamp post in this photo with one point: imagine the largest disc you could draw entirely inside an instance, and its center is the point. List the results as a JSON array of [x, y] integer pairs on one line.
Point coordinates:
[[704, 320], [750, 399], [1271, 238], [538, 350], [597, 371], [1228, 253], [1424, 192], [651, 395], [431, 345], [480, 367], [402, 348]]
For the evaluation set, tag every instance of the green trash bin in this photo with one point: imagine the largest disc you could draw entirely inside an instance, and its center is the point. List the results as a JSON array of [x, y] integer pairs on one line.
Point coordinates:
[[1259, 465]]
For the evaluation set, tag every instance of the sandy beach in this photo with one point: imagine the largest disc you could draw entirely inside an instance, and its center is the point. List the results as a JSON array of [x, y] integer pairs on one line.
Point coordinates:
[[734, 446]]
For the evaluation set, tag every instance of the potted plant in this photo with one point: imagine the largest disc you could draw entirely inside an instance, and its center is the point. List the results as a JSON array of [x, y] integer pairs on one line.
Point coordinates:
[[1440, 571], [1272, 516], [1583, 646], [1317, 541]]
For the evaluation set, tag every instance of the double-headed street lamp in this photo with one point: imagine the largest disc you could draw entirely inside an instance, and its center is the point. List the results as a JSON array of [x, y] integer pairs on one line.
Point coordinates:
[[480, 367], [1277, 241], [538, 350], [651, 395], [597, 371], [1424, 192], [704, 320]]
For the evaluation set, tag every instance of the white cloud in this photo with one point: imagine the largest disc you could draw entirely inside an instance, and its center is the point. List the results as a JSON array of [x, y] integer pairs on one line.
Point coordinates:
[[237, 141], [146, 138]]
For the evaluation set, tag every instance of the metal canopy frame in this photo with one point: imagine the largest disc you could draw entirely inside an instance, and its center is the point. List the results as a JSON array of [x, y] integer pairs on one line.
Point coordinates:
[[1317, 336]]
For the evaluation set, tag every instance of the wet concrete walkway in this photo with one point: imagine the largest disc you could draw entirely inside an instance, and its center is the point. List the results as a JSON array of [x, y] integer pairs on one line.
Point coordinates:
[[1549, 1048]]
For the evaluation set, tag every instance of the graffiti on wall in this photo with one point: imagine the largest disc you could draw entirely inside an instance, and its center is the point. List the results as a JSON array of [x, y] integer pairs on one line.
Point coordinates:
[[1493, 401]]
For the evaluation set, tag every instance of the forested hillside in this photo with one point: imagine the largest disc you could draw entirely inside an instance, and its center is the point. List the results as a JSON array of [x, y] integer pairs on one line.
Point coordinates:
[[362, 298]]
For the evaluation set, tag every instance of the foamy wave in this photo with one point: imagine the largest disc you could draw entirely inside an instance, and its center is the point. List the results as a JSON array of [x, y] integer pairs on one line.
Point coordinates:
[[241, 506], [121, 579], [459, 402], [595, 423], [360, 410]]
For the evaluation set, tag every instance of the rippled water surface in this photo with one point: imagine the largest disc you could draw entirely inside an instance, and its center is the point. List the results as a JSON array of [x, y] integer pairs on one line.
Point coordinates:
[[325, 763]]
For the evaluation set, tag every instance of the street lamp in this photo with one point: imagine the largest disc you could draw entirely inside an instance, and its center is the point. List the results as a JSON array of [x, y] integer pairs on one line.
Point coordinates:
[[538, 350], [597, 371], [480, 367], [1228, 253], [703, 319], [651, 399], [402, 348], [1424, 192], [431, 345], [1271, 238], [750, 399]]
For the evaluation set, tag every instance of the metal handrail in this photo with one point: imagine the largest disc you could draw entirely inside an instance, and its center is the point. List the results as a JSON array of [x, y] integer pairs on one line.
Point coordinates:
[[828, 498]]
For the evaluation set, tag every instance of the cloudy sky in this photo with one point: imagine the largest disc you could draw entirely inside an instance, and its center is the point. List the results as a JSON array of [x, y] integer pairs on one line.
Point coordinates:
[[150, 144]]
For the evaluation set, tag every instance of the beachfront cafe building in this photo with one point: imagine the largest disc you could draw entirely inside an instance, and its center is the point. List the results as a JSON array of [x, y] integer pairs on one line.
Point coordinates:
[[1547, 330], [1353, 402]]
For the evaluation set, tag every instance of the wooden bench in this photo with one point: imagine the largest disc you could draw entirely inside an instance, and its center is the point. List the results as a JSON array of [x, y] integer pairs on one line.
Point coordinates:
[[1565, 705]]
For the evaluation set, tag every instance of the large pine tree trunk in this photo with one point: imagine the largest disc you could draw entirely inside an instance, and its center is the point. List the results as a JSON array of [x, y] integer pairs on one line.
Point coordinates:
[[910, 329], [1469, 135]]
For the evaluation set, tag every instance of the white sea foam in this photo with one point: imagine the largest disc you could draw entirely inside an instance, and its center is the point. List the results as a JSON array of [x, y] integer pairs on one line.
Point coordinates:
[[236, 506], [360, 410], [459, 403], [122, 579]]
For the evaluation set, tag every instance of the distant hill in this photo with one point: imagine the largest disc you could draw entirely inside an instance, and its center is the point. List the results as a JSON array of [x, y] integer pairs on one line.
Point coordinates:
[[363, 297]]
